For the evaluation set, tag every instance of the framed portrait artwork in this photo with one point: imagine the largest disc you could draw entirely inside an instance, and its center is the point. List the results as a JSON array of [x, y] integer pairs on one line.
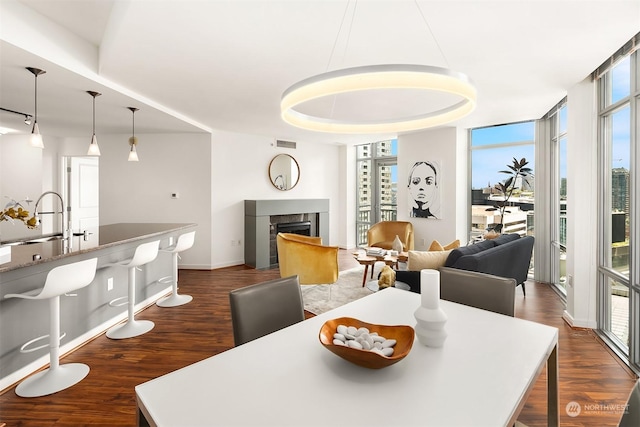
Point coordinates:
[[424, 190]]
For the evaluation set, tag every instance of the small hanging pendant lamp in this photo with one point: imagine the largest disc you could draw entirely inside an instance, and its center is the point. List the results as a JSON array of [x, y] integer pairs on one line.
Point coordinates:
[[36, 138], [94, 149], [133, 141]]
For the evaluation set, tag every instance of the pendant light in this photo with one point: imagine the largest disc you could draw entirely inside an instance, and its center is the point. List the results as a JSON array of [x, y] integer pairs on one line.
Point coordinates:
[[133, 141], [36, 138], [94, 149], [429, 81]]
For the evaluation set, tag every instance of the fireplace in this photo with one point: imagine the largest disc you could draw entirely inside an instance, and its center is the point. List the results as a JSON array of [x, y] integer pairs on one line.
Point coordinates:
[[305, 224], [298, 227], [295, 227], [265, 218]]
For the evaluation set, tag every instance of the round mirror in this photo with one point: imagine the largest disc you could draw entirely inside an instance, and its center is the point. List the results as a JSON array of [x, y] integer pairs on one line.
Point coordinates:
[[284, 172]]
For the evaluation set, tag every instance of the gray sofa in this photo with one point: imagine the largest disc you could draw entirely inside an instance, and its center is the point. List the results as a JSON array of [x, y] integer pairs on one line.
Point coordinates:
[[508, 256]]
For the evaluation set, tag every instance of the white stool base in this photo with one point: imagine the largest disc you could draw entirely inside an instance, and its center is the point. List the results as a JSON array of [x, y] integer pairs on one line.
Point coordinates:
[[51, 381], [174, 300], [130, 329]]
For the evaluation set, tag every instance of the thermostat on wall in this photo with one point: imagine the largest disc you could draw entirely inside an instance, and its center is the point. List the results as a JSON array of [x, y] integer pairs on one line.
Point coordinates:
[[175, 195]]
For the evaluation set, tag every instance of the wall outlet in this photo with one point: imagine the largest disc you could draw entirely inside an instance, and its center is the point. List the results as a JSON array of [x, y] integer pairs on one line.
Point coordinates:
[[570, 280], [423, 242], [110, 284]]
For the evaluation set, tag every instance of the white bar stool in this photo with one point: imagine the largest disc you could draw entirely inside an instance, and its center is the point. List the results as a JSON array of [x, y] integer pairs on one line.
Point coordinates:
[[144, 254], [185, 241], [57, 377]]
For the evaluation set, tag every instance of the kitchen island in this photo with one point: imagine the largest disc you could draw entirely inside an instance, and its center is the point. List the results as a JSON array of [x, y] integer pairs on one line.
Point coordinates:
[[87, 313]]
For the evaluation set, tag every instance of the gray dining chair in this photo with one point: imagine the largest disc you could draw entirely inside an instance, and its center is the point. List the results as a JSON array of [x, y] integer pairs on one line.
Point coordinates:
[[478, 290], [266, 307], [631, 415]]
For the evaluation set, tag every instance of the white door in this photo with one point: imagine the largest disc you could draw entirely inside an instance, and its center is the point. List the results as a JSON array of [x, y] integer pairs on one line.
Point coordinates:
[[83, 200]]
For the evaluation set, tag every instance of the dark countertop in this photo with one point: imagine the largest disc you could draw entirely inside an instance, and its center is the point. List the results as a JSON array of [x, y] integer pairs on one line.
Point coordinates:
[[108, 235]]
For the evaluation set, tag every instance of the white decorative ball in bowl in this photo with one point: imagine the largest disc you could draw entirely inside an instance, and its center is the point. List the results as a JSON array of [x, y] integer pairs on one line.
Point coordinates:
[[398, 340]]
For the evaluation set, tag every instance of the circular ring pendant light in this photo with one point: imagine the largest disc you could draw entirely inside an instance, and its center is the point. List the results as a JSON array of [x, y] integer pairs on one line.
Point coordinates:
[[373, 77]]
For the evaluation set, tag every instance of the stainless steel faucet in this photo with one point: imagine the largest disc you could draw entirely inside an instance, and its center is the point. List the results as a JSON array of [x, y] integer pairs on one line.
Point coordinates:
[[64, 226]]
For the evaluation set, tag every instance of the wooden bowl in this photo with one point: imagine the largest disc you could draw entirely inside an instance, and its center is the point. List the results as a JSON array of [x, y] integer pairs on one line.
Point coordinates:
[[401, 333]]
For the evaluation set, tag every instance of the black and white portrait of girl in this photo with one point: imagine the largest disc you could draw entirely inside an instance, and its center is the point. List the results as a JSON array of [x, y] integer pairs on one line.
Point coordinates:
[[424, 190]]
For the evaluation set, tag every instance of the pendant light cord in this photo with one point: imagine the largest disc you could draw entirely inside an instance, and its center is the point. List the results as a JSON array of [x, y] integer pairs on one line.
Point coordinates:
[[431, 33], [94, 114], [335, 42], [35, 100], [346, 45]]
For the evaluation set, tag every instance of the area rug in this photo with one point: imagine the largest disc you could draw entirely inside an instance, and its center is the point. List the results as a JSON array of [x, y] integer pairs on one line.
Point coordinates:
[[348, 288]]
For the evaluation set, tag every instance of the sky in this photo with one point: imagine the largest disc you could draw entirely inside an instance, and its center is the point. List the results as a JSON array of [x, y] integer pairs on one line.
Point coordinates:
[[621, 125], [486, 163]]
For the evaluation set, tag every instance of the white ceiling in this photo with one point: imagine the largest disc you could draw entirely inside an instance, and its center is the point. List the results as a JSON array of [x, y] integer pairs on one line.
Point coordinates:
[[225, 63]]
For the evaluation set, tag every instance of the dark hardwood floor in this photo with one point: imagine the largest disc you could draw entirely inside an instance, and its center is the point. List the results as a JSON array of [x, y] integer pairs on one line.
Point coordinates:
[[589, 373]]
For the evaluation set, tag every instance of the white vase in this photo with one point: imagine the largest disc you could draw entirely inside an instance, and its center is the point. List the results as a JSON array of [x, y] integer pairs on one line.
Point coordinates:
[[397, 244], [429, 316]]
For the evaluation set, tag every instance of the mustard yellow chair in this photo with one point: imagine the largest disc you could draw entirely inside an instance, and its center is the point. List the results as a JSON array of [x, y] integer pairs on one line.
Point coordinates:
[[306, 257], [382, 234]]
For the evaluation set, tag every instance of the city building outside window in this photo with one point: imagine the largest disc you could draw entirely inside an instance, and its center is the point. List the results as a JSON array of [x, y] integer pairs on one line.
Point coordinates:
[[376, 166]]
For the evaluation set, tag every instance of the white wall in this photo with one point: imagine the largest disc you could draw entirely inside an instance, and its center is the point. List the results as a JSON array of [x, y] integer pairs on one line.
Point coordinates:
[[348, 196], [239, 172], [582, 212], [448, 147], [141, 191]]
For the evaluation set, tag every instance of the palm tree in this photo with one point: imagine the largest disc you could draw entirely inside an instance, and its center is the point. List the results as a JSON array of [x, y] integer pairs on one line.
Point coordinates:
[[516, 169]]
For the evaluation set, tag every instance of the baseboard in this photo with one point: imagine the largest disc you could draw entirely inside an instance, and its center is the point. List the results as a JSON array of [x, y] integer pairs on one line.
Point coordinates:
[[228, 264], [78, 342], [576, 323], [195, 267]]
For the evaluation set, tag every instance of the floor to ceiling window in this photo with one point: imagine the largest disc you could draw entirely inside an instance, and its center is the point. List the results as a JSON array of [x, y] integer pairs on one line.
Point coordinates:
[[377, 179], [618, 287], [557, 119], [493, 150]]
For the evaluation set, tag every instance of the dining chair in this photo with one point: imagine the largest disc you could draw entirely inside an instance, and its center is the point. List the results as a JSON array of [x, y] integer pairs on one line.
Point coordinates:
[[631, 416], [479, 290], [265, 307]]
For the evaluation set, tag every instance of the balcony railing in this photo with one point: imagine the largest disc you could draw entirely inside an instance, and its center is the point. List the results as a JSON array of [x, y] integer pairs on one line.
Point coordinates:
[[365, 220]]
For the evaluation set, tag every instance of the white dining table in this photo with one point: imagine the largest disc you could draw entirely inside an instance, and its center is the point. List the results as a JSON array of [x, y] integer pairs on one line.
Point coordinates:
[[481, 376]]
